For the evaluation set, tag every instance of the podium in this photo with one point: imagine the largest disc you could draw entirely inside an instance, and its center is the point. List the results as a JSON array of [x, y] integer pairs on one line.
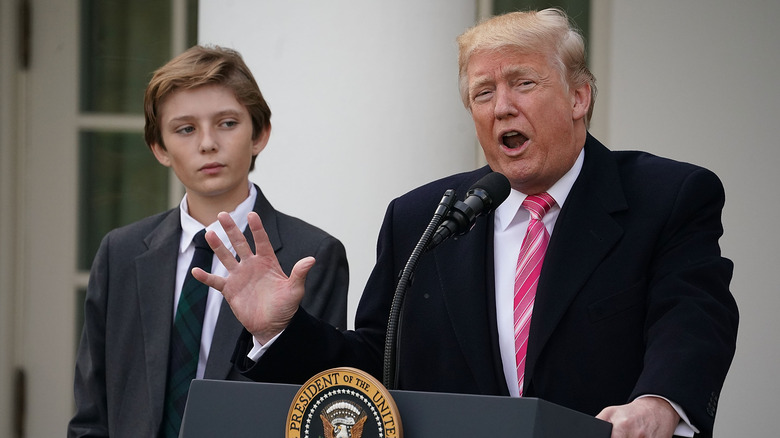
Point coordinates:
[[248, 409]]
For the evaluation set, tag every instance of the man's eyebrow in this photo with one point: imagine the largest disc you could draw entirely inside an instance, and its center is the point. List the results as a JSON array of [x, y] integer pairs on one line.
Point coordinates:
[[511, 71], [518, 70], [480, 81]]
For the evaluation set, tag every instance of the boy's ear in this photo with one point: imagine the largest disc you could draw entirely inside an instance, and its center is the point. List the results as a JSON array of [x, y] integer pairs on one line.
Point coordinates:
[[161, 154], [261, 141]]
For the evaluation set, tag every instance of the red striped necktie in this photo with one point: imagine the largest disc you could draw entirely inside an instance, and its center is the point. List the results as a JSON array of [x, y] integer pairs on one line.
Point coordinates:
[[529, 265]]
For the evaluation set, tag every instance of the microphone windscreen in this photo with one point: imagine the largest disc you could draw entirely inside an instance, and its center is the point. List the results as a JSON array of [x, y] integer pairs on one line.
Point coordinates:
[[496, 185]]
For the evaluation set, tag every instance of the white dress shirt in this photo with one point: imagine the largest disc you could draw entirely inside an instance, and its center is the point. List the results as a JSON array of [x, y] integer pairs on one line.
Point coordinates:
[[190, 227], [510, 223]]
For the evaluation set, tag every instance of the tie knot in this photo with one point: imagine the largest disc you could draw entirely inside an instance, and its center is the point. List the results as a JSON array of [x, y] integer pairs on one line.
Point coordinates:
[[538, 205], [199, 240]]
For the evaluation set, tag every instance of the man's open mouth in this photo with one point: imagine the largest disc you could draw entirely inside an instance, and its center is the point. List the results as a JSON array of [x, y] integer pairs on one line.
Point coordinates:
[[513, 139]]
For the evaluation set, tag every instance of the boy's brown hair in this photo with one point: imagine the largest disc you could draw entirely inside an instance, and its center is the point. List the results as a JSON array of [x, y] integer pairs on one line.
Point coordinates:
[[199, 66]]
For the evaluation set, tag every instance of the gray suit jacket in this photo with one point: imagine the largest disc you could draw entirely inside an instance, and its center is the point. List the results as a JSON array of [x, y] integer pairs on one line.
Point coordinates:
[[123, 355]]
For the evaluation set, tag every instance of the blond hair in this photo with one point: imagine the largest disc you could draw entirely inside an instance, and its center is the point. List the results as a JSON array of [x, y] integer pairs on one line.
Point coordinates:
[[548, 32]]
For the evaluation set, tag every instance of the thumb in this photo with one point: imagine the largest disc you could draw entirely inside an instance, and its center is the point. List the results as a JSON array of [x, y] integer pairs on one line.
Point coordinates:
[[299, 273], [606, 413]]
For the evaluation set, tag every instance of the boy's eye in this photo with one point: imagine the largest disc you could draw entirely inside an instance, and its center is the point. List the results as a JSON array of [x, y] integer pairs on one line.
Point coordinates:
[[185, 130]]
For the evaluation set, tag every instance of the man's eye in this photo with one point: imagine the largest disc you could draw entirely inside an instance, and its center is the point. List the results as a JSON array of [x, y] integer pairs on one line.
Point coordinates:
[[482, 95]]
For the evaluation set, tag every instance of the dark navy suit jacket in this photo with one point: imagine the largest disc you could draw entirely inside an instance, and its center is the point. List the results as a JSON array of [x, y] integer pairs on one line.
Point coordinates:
[[633, 297]]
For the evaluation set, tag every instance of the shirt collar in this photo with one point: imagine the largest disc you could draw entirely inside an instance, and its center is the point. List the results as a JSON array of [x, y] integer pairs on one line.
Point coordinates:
[[507, 212], [190, 226]]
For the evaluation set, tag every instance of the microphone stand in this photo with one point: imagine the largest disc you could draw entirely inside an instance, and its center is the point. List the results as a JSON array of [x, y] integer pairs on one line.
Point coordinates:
[[389, 373]]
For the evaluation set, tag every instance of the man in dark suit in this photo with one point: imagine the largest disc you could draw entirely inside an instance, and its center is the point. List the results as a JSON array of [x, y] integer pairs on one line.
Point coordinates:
[[633, 321], [208, 121]]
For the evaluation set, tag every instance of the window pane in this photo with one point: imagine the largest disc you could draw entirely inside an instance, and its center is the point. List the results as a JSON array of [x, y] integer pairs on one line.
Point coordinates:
[[123, 42], [192, 22], [120, 182]]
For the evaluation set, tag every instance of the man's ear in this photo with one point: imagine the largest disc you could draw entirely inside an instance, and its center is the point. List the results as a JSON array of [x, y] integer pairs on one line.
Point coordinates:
[[161, 154], [581, 101], [259, 143]]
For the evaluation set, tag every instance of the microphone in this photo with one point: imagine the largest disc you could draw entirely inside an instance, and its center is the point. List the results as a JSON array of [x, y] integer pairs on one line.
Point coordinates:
[[451, 217], [482, 198]]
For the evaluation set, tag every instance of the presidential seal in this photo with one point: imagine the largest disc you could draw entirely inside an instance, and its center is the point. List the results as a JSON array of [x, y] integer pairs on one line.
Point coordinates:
[[343, 403]]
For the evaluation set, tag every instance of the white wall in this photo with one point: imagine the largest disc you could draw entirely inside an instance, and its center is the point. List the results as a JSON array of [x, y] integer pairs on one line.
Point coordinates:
[[366, 106], [697, 80]]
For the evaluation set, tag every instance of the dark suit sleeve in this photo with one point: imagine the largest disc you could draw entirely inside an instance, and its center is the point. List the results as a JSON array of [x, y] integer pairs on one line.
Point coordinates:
[[91, 417], [308, 345], [692, 317]]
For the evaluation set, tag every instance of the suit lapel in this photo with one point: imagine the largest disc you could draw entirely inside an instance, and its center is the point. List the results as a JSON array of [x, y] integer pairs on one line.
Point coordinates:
[[156, 273], [584, 233], [223, 343], [268, 215], [465, 281], [228, 328]]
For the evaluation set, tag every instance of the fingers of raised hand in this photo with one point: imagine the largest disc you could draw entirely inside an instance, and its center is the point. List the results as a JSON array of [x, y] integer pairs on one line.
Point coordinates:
[[236, 237], [210, 280], [220, 250], [262, 244], [301, 269]]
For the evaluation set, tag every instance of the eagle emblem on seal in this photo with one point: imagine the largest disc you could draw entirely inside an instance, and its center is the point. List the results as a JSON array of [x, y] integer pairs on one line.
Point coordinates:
[[342, 419]]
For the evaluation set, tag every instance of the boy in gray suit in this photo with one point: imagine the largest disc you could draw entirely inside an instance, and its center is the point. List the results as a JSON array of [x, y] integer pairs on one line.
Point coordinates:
[[146, 334]]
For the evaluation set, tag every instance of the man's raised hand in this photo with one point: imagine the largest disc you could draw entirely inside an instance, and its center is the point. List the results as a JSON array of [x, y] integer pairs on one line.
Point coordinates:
[[261, 296]]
